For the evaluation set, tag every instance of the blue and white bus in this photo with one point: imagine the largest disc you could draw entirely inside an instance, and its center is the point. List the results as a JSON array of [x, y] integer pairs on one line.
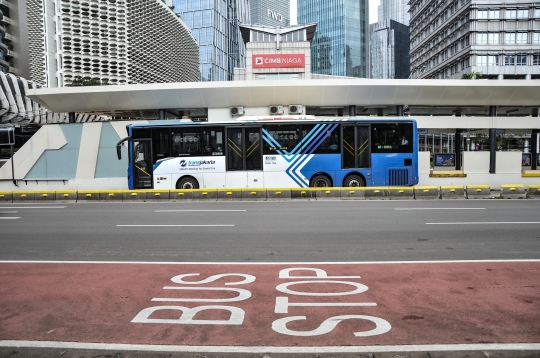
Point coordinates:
[[273, 152]]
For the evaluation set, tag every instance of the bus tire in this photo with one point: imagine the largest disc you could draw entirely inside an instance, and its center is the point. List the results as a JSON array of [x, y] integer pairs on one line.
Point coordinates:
[[187, 183], [320, 181], [354, 180]]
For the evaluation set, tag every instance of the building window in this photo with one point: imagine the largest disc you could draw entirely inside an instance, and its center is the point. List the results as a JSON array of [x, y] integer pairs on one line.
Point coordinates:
[[521, 59], [511, 14], [522, 13], [482, 14], [510, 38], [481, 60], [493, 38], [536, 37], [509, 60], [493, 60], [521, 38], [537, 13], [536, 59], [482, 38]]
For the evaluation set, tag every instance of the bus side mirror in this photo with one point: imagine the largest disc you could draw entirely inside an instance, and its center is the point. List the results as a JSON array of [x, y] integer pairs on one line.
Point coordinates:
[[119, 147]]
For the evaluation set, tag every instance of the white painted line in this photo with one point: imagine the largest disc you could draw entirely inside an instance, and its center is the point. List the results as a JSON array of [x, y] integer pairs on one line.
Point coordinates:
[[8, 212], [268, 263], [439, 208], [262, 350], [175, 211], [33, 207], [9, 218], [174, 225], [487, 223]]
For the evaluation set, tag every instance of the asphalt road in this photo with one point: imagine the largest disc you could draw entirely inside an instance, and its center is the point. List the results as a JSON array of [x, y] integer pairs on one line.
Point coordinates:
[[292, 231]]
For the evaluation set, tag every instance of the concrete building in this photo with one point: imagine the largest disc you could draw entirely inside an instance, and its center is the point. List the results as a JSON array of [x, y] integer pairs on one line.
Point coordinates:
[[389, 50], [215, 27], [340, 47], [501, 39], [275, 13], [14, 38], [120, 42]]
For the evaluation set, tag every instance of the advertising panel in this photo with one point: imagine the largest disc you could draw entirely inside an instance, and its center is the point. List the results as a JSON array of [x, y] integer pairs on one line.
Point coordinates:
[[279, 61]]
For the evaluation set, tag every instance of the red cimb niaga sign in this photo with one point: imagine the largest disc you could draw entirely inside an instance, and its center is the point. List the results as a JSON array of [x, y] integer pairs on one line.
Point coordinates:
[[279, 61]]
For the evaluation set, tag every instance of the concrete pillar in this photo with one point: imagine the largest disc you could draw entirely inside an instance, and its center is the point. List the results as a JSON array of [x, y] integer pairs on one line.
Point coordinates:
[[352, 111], [526, 148], [534, 148], [399, 110], [500, 77], [71, 117], [492, 141], [380, 112], [528, 76], [161, 114], [458, 149]]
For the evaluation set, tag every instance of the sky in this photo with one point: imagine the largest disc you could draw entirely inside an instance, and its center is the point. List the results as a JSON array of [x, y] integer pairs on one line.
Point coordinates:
[[372, 11]]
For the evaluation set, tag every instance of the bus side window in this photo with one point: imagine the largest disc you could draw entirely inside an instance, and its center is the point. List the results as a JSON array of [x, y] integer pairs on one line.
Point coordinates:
[[212, 141], [187, 141]]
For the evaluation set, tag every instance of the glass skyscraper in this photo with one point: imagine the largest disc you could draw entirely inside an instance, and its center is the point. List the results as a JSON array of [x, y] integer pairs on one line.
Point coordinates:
[[389, 41], [397, 10], [270, 13], [340, 46], [214, 25]]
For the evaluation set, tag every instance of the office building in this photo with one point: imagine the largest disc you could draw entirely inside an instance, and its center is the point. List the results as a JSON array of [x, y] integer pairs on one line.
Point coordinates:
[[389, 49], [500, 39], [340, 46], [397, 10], [270, 13], [215, 27], [120, 42]]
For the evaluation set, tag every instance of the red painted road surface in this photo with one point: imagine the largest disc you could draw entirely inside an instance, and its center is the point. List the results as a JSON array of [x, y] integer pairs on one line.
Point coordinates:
[[319, 305]]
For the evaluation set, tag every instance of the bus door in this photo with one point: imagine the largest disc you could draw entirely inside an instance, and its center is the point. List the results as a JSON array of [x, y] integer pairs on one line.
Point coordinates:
[[356, 148], [142, 164], [244, 158]]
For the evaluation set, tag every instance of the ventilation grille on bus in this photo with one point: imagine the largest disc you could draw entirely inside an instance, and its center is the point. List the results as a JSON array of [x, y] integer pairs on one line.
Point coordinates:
[[398, 177]]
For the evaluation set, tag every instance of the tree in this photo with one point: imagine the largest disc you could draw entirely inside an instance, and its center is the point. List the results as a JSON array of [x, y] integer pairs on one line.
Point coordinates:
[[471, 76]]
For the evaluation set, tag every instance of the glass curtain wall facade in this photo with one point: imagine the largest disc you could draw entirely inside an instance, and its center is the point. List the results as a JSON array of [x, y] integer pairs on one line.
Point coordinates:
[[275, 13], [397, 10], [340, 45], [214, 25], [389, 50]]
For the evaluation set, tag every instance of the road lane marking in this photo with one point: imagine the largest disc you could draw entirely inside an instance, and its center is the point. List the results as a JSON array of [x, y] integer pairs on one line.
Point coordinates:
[[174, 211], [9, 218], [267, 263], [273, 349], [486, 223], [33, 207], [8, 212], [439, 208], [175, 225]]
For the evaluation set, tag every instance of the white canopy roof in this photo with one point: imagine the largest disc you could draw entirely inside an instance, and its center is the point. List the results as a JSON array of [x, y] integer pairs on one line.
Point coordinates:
[[338, 92]]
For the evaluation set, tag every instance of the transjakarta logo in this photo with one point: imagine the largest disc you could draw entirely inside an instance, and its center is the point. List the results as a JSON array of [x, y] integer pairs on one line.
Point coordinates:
[[183, 163], [197, 163]]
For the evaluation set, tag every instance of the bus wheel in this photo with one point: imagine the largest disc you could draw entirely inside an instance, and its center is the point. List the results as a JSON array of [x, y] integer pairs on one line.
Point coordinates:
[[187, 183], [320, 181], [354, 181]]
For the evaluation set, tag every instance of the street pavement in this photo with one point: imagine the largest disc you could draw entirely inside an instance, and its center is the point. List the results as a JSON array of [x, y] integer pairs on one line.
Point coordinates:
[[430, 279]]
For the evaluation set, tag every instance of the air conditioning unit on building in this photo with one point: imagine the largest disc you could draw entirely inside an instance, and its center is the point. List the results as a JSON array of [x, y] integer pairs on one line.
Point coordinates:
[[296, 109], [276, 109], [237, 111]]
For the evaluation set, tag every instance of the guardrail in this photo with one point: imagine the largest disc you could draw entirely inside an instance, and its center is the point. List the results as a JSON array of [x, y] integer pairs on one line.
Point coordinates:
[[507, 191]]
